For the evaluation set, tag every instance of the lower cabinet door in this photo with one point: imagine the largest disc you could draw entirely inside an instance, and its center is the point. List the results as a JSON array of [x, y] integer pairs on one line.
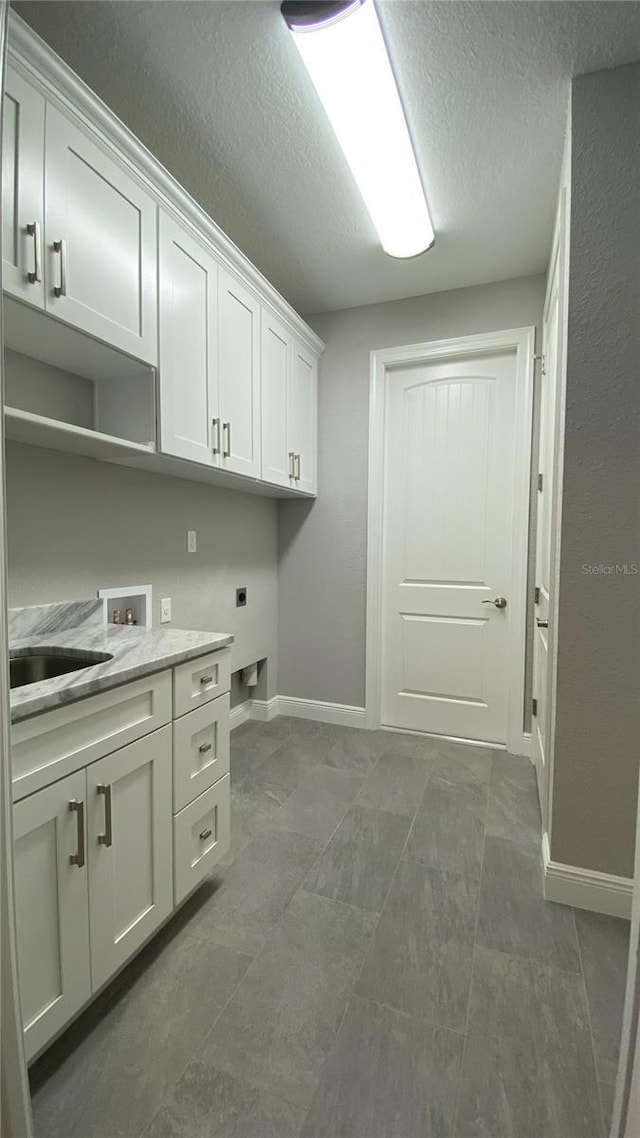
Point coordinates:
[[129, 797], [201, 834], [52, 908]]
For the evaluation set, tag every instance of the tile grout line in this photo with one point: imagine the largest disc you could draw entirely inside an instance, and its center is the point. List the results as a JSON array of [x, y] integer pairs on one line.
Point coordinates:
[[456, 1107], [590, 1022]]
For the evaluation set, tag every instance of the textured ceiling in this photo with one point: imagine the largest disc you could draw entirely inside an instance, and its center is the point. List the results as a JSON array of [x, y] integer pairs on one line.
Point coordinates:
[[218, 92]]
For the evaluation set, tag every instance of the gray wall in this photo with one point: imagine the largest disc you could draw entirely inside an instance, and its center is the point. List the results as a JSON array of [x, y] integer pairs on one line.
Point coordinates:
[[323, 546], [597, 741], [75, 525]]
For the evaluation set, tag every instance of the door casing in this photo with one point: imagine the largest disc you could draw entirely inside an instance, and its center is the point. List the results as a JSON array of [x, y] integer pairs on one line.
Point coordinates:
[[522, 340]]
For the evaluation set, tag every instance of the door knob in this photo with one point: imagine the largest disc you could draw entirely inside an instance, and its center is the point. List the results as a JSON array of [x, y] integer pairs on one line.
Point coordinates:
[[542, 623], [499, 602]]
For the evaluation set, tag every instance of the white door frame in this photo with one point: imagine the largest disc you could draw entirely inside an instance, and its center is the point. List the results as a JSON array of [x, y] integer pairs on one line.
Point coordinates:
[[382, 361]]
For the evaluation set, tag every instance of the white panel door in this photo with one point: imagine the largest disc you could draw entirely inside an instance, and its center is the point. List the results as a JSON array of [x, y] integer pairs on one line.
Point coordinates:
[[449, 469], [239, 376], [103, 227], [189, 427], [130, 849], [302, 418], [276, 363], [52, 908], [23, 190], [543, 576]]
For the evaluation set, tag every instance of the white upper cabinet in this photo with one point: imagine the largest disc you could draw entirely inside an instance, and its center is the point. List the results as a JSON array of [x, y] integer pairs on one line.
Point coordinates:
[[238, 376], [276, 361], [302, 427], [23, 190], [100, 235], [101, 239], [188, 357]]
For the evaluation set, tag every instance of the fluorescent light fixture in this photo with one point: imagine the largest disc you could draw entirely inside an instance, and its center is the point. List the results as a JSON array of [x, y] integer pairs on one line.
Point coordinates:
[[345, 54]]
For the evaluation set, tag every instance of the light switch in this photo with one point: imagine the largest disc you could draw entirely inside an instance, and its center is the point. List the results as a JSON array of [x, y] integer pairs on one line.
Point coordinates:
[[165, 610], [192, 542]]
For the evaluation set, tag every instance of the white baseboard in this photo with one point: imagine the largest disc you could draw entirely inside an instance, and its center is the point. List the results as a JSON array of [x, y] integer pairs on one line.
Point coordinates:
[[526, 746], [260, 709], [342, 714], [586, 888]]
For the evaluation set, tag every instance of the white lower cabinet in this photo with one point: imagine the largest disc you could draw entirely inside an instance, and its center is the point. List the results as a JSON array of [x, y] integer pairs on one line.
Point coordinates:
[[95, 851], [129, 798], [201, 836], [52, 908]]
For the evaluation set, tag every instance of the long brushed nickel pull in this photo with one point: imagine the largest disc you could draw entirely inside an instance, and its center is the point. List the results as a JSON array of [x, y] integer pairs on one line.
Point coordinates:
[[78, 809], [106, 839], [33, 229], [61, 248]]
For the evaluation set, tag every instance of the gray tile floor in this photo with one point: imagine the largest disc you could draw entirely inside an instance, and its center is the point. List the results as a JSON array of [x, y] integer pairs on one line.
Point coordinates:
[[374, 959]]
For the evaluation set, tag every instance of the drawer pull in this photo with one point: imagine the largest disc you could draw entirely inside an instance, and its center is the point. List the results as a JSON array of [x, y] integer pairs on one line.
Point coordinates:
[[206, 679], [106, 839], [78, 810], [61, 248], [204, 747], [205, 834]]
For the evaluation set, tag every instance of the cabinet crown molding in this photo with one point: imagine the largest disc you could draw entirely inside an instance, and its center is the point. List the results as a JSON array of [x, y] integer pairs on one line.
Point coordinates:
[[31, 56]]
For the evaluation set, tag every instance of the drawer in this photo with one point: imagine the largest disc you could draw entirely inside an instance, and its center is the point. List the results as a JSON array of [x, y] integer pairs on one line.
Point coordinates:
[[53, 745], [201, 836], [198, 681], [200, 750]]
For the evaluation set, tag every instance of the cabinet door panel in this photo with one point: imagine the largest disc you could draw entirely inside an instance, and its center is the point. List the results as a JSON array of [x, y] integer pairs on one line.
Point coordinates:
[[52, 914], [129, 836], [276, 362], [302, 418], [108, 225], [22, 189], [239, 376], [188, 387]]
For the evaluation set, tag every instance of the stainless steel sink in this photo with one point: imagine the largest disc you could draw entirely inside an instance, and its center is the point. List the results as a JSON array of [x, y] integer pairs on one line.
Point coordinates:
[[31, 665]]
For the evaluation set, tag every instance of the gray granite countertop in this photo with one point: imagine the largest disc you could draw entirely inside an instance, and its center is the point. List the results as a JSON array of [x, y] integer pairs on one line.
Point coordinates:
[[79, 625]]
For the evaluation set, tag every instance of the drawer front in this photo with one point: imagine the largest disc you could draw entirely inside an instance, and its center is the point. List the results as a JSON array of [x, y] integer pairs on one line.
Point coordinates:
[[198, 681], [201, 836], [200, 750], [53, 745]]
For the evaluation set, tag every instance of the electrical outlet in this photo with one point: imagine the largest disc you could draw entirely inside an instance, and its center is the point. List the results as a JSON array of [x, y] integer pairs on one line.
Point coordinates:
[[241, 597], [192, 541], [165, 610]]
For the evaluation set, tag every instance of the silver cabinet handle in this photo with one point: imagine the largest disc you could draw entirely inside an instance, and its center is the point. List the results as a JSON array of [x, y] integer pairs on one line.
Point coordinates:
[[297, 468], [206, 679], [205, 834], [78, 857], [61, 248], [542, 623], [33, 229], [204, 747], [499, 602], [227, 451], [215, 424], [292, 464], [106, 839]]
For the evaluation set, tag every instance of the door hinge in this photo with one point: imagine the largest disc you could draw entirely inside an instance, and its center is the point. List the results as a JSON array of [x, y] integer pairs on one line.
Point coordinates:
[[543, 363], [534, 707], [540, 481], [536, 595]]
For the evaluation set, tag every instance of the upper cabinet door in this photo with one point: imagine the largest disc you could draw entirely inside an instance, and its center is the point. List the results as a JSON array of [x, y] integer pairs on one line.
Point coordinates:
[[277, 359], [23, 190], [100, 266], [189, 424], [129, 835], [239, 376], [302, 418], [52, 908]]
